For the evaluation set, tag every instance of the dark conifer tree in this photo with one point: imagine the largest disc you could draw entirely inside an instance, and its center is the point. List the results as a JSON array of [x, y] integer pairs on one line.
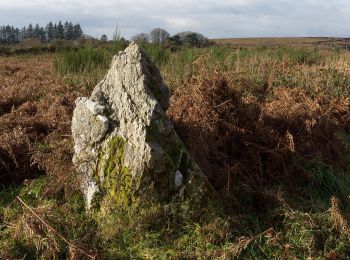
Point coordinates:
[[60, 30], [77, 32], [29, 33], [36, 32], [49, 31], [55, 33], [22, 34], [42, 34], [68, 31]]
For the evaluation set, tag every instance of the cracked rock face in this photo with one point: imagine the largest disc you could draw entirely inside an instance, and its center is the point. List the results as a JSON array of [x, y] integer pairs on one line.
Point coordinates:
[[125, 146]]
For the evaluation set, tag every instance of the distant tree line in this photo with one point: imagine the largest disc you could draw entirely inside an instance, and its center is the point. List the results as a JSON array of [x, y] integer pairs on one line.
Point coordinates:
[[161, 36], [66, 31]]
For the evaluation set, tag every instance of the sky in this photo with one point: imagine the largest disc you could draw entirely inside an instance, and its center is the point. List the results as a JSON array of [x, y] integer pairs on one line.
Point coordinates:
[[214, 19]]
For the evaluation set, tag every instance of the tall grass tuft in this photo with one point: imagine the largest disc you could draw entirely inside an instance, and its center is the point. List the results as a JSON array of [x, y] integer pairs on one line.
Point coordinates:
[[308, 56], [118, 43], [158, 54], [83, 60]]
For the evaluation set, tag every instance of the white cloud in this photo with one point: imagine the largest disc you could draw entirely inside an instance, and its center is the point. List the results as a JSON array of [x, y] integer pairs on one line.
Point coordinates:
[[180, 23], [225, 18]]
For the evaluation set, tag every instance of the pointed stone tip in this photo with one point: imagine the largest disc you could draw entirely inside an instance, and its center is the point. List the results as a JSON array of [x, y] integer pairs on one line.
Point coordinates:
[[133, 49]]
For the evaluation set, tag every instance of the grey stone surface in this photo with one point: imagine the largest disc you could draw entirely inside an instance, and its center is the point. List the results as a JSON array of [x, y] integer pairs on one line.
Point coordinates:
[[125, 146]]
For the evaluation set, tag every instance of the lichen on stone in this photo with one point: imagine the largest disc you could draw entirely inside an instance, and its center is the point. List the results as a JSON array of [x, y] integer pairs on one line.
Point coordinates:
[[113, 176]]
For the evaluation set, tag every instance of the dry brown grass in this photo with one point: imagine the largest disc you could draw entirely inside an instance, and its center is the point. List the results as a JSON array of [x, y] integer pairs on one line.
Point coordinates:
[[36, 109], [245, 140]]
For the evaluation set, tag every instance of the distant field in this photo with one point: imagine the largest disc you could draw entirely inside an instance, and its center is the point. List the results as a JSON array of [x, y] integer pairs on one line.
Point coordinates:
[[286, 41]]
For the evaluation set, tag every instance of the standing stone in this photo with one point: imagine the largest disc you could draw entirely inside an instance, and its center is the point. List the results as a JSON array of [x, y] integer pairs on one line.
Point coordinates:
[[125, 146]]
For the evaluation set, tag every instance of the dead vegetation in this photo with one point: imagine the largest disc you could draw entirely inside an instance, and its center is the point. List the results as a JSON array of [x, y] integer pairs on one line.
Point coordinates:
[[36, 111], [244, 140], [267, 151]]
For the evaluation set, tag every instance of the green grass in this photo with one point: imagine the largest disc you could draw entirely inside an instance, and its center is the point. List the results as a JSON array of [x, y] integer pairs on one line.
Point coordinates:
[[86, 65], [83, 60], [22, 234], [158, 54]]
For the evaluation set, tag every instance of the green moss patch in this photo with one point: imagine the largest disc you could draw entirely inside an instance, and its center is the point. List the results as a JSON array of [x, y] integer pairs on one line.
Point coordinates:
[[117, 180]]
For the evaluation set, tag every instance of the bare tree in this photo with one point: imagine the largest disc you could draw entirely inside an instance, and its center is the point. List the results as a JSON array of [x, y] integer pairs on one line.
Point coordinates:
[[140, 38], [159, 35]]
